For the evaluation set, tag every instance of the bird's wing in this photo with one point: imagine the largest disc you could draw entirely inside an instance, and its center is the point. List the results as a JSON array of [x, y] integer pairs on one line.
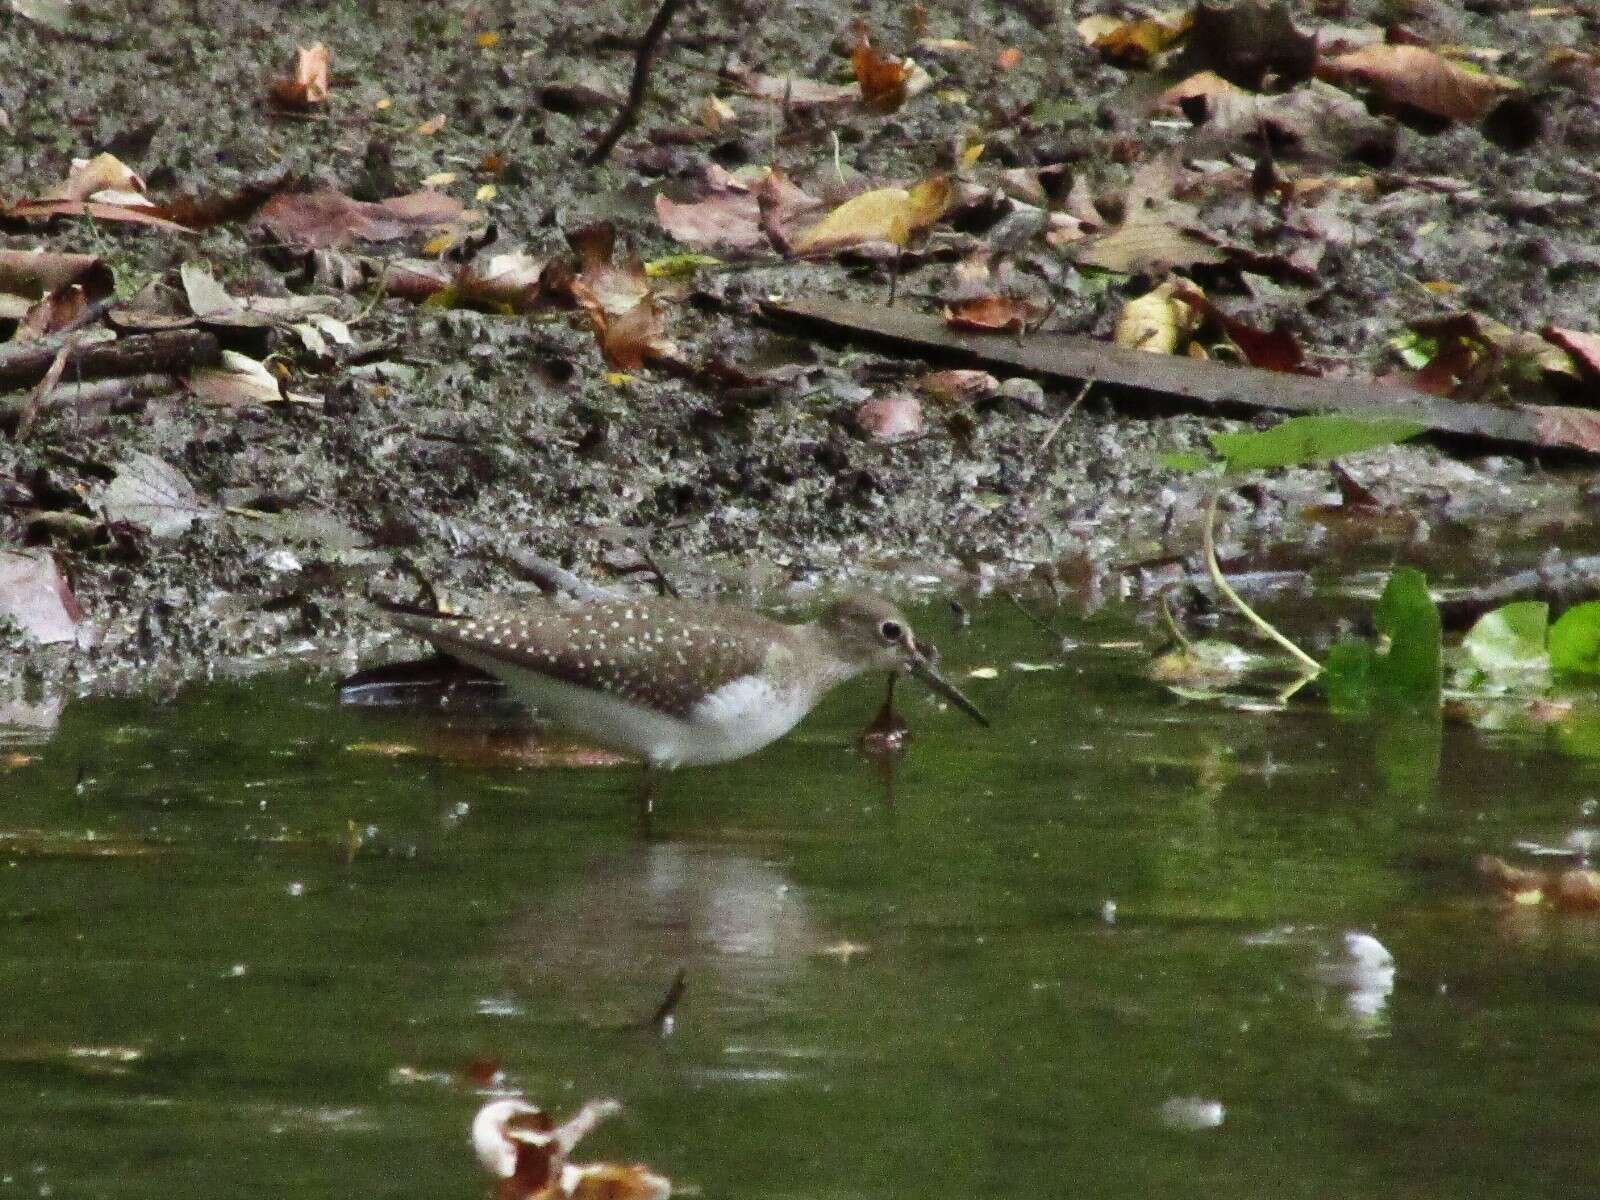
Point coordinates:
[[659, 653]]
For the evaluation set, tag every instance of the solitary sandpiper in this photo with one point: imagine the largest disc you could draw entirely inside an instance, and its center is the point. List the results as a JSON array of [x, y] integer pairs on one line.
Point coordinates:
[[674, 682]]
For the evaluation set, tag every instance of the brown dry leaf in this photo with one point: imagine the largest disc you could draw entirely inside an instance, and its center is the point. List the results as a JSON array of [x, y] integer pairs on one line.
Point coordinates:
[[886, 418], [1565, 426], [881, 78], [1313, 123], [1583, 346], [239, 382], [1421, 79], [1274, 349], [103, 187], [609, 1181], [962, 386], [1008, 59], [35, 597], [990, 314], [36, 273], [309, 84], [511, 281], [792, 92], [93, 178], [326, 219], [891, 215], [1134, 43], [1577, 890], [735, 214], [1147, 244], [52, 314], [618, 300], [1200, 85]]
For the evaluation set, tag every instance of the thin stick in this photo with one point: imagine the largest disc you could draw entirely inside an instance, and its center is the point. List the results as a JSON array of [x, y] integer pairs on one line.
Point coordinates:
[[641, 78], [1263, 626]]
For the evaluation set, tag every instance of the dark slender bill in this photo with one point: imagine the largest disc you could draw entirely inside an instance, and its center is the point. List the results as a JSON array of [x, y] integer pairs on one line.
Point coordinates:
[[924, 670]]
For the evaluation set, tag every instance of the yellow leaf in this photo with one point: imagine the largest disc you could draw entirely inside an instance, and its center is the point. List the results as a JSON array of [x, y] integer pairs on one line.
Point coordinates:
[[1157, 321], [883, 215], [928, 201], [439, 243], [488, 41], [439, 179], [486, 193], [618, 378], [431, 126], [384, 104], [1441, 287], [971, 155]]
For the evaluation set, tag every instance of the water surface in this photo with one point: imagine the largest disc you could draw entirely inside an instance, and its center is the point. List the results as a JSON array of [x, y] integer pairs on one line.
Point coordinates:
[[251, 945]]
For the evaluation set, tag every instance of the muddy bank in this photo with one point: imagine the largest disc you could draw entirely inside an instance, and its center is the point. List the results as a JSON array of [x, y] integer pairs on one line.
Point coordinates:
[[440, 437]]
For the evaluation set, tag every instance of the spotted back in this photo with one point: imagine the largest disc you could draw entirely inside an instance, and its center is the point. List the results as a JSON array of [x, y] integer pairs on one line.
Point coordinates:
[[663, 653]]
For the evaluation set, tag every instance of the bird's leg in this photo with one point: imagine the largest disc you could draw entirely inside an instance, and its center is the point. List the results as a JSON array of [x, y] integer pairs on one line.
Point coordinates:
[[645, 799]]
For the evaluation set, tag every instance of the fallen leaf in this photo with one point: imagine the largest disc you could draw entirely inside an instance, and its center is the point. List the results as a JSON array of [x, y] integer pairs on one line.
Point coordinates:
[[1418, 78], [35, 597], [886, 418], [792, 92], [1008, 59], [1160, 321], [990, 314], [326, 219], [1576, 890], [892, 215], [1133, 43], [881, 78], [92, 178], [959, 385], [1583, 346], [309, 84], [52, 313], [730, 214], [36, 273], [1565, 426], [152, 494], [239, 381], [431, 126]]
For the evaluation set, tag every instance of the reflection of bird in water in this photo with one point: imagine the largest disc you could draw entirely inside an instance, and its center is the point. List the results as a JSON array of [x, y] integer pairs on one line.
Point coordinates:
[[527, 1152], [609, 938]]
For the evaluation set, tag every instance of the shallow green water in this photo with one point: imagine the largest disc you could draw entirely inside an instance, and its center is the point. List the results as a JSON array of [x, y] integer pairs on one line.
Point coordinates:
[[213, 995]]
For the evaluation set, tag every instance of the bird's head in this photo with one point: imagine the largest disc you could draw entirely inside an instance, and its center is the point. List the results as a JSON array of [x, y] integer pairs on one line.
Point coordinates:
[[869, 633]]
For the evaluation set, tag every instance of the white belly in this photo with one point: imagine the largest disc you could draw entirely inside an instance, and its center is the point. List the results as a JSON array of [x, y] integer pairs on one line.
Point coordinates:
[[737, 719]]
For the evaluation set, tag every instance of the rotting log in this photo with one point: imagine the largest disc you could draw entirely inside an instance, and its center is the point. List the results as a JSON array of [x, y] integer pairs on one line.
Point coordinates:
[[175, 351], [1158, 382]]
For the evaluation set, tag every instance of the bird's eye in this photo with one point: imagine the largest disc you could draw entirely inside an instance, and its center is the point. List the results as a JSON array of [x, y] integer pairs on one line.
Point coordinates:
[[891, 631]]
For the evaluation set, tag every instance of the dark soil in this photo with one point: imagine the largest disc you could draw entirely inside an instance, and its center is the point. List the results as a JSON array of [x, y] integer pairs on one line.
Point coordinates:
[[507, 432]]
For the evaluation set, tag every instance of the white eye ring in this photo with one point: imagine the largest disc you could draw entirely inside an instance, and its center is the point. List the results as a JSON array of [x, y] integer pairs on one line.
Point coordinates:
[[891, 631]]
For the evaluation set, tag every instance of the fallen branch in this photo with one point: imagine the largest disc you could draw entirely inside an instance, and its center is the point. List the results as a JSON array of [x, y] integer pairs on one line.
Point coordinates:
[[1185, 384], [1560, 584], [143, 354], [653, 34], [116, 395]]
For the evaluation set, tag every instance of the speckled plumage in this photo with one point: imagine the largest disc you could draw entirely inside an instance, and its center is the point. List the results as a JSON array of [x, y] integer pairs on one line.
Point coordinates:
[[664, 654], [674, 682]]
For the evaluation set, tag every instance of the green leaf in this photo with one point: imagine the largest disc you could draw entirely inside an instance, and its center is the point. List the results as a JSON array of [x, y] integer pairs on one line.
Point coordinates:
[[1575, 640], [1184, 460], [1302, 440], [674, 265], [1346, 677], [1511, 638], [1412, 672]]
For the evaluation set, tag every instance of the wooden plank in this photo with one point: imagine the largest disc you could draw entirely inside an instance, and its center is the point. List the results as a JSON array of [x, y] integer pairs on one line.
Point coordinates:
[[1195, 385]]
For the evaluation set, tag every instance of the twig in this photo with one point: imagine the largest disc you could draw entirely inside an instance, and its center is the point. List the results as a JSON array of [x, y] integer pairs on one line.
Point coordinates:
[[1263, 626], [641, 78], [35, 402]]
